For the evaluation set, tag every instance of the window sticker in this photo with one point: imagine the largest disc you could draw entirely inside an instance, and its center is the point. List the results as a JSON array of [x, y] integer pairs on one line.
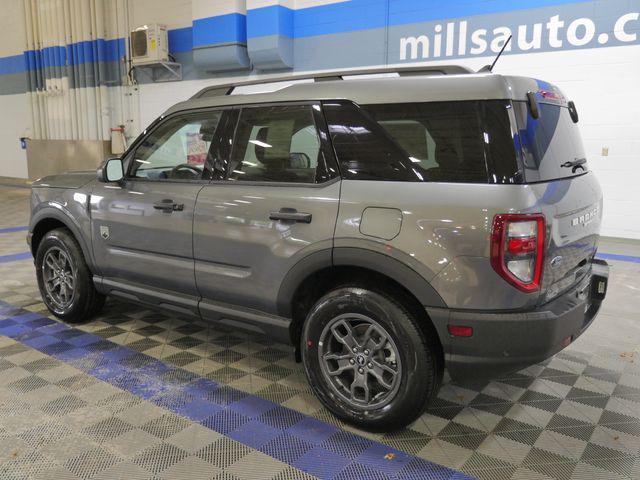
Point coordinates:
[[196, 149]]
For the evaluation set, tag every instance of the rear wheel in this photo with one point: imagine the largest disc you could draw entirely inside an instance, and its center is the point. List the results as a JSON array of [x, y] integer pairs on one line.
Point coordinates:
[[367, 359], [65, 282]]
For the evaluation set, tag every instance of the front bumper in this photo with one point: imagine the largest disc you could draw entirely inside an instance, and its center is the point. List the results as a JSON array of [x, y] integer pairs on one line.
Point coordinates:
[[506, 342]]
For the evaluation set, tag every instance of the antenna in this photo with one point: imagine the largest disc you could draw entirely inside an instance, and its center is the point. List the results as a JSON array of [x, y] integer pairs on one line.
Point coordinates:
[[489, 68]]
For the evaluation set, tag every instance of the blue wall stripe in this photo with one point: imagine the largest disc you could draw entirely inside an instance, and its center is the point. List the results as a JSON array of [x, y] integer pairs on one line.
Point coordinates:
[[180, 40], [221, 29], [350, 15], [15, 257], [100, 50], [369, 14], [13, 229], [12, 64], [413, 11], [272, 20], [293, 438]]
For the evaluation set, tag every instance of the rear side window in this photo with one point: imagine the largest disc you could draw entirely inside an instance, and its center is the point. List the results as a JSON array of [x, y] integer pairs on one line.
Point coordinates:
[[277, 144], [551, 145], [435, 141]]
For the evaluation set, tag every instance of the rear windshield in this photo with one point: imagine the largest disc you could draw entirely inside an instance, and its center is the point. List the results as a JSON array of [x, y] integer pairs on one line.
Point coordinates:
[[461, 142], [551, 145]]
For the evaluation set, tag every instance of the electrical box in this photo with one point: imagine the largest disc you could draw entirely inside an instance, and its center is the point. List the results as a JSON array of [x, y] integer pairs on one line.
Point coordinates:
[[149, 44]]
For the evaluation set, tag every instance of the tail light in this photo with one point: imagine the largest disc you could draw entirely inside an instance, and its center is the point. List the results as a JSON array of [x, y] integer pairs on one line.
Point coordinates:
[[517, 249]]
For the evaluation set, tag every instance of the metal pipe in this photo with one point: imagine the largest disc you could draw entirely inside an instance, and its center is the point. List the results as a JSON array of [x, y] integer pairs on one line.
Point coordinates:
[[77, 70], [35, 127], [71, 97]]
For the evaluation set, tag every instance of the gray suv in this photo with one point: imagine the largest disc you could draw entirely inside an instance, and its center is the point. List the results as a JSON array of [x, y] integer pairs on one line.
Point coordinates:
[[388, 228]]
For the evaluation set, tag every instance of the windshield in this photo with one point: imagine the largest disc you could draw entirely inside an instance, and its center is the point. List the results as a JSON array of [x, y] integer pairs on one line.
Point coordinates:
[[551, 145]]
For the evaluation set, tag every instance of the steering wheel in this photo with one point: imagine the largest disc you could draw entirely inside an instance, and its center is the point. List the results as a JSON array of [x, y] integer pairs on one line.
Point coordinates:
[[179, 171]]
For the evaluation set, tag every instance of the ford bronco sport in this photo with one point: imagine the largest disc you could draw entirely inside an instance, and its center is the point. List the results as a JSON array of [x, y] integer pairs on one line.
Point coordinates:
[[388, 228]]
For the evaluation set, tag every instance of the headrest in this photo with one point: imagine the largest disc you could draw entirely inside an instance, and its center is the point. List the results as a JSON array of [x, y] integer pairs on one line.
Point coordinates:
[[207, 129], [261, 136], [446, 156]]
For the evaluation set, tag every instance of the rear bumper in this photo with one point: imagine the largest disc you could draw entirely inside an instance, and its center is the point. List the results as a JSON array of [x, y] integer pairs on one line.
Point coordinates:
[[506, 342]]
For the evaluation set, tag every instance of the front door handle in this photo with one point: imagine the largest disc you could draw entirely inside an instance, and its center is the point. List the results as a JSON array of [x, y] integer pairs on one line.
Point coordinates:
[[167, 205], [290, 215]]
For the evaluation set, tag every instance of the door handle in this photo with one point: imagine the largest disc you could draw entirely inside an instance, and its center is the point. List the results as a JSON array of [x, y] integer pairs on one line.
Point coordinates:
[[290, 215], [168, 206]]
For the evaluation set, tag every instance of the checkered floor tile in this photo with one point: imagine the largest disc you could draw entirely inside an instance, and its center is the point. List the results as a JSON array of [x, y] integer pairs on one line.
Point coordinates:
[[577, 415]]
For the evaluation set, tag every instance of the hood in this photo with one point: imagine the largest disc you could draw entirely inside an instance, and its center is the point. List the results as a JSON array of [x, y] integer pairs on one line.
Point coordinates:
[[66, 180]]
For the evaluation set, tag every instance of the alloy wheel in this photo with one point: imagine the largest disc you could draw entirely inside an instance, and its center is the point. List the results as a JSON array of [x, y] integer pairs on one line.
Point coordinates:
[[59, 278], [360, 361]]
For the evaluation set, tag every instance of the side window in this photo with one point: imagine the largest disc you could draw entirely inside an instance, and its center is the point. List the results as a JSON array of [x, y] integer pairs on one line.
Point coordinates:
[[365, 150], [431, 141], [277, 144], [180, 149], [443, 139]]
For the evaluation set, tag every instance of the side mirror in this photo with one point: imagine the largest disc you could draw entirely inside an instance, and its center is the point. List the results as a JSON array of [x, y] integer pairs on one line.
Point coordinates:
[[533, 105], [573, 111], [111, 170]]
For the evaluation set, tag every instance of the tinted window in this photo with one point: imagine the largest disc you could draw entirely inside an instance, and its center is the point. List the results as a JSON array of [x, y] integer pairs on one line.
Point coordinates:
[[365, 151], [551, 145], [178, 149], [437, 141], [498, 124], [277, 144]]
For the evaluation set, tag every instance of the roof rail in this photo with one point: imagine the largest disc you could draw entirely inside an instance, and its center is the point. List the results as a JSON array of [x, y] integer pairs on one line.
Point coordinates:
[[228, 88]]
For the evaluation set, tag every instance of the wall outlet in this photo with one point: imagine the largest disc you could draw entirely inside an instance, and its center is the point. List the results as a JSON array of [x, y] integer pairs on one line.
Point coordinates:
[[605, 151]]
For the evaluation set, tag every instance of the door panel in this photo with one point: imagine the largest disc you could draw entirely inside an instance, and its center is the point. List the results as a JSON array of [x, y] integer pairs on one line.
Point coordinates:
[[241, 255], [145, 244], [278, 206], [143, 227]]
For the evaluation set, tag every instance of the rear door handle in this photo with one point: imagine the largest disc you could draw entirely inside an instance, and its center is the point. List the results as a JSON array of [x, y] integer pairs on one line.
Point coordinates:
[[290, 215], [167, 205]]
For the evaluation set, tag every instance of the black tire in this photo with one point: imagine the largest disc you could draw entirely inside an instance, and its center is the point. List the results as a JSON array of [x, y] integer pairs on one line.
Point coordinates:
[[85, 301], [416, 359]]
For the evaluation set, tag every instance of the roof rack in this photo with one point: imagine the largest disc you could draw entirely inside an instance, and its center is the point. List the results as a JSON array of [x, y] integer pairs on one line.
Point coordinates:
[[228, 88]]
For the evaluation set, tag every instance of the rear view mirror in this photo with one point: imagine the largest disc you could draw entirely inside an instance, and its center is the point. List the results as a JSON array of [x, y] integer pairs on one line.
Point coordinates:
[[111, 171]]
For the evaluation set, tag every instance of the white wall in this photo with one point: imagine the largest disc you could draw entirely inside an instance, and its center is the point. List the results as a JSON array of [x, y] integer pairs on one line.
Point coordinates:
[[15, 117]]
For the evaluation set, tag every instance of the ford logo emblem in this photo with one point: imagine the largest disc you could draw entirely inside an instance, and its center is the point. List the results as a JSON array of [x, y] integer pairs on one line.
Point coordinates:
[[556, 262]]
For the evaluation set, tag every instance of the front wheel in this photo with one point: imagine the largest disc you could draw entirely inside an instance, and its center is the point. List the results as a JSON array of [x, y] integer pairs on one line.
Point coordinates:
[[368, 360], [65, 282]]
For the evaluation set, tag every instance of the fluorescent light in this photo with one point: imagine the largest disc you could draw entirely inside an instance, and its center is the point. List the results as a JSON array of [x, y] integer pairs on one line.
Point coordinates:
[[260, 144]]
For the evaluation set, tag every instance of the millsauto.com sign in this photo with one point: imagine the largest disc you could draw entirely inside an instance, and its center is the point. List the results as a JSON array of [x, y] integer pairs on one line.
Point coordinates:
[[563, 27]]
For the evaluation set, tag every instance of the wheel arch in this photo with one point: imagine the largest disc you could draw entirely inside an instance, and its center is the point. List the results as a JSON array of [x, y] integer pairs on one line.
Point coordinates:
[[49, 219], [316, 274]]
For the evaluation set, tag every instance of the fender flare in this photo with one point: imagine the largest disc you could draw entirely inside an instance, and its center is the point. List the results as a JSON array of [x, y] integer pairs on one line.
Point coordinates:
[[404, 275], [68, 221]]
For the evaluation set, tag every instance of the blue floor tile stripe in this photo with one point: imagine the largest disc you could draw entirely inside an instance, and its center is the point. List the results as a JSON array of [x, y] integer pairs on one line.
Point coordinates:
[[15, 257], [620, 258], [296, 439], [13, 229]]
